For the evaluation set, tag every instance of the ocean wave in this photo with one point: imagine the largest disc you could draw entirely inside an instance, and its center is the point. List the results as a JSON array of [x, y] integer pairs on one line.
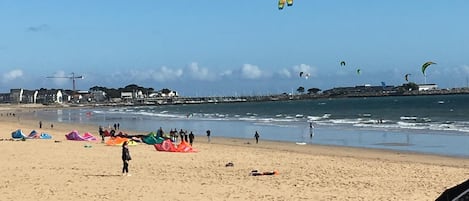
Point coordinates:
[[363, 120]]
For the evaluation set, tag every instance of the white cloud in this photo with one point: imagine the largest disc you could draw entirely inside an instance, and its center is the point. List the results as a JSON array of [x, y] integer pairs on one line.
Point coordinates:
[[250, 71], [159, 75], [226, 73], [285, 73], [305, 68], [295, 71], [12, 75], [199, 73]]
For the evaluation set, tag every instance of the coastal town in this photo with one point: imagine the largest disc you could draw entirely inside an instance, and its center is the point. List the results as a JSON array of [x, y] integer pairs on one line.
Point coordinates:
[[137, 95]]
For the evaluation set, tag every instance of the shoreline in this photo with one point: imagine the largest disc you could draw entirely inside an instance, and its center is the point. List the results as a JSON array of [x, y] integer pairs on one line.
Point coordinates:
[[25, 113]]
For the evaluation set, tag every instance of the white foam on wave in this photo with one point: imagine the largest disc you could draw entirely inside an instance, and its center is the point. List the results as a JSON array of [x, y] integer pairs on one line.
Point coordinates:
[[266, 119], [292, 120], [345, 121], [318, 118]]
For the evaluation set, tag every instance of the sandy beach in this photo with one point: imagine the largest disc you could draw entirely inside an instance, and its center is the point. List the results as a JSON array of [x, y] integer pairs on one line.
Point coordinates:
[[67, 170]]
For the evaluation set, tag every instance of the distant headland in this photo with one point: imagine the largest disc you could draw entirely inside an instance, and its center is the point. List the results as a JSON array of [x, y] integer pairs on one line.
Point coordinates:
[[136, 95]]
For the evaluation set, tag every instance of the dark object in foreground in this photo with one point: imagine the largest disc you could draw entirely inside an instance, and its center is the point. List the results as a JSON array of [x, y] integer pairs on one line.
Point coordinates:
[[257, 173], [459, 192]]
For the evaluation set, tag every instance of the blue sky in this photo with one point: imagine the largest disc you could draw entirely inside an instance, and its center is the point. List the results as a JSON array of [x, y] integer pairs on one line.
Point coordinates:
[[222, 47]]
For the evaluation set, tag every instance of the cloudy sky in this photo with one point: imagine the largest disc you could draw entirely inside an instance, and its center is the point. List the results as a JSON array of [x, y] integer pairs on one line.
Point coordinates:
[[229, 47]]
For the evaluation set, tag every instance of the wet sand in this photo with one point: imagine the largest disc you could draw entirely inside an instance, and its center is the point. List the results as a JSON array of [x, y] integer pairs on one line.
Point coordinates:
[[67, 170]]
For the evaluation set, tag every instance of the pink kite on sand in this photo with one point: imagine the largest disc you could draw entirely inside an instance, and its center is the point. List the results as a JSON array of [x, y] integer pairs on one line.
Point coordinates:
[[77, 137]]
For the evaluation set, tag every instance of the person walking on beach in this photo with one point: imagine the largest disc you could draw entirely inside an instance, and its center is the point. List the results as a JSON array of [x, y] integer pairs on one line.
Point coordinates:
[[208, 135], [191, 138], [40, 124], [125, 158], [256, 135]]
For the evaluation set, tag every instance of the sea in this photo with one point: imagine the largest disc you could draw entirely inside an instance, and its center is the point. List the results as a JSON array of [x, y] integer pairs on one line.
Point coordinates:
[[433, 124]]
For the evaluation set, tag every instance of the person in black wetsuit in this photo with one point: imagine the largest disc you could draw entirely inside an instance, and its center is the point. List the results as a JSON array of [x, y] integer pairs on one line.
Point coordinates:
[[125, 158], [181, 135], [208, 135], [191, 138], [256, 135], [186, 137]]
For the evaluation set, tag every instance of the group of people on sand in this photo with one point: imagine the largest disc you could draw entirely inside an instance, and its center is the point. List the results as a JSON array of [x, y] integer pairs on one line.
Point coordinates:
[[40, 125], [9, 114], [116, 126], [174, 135]]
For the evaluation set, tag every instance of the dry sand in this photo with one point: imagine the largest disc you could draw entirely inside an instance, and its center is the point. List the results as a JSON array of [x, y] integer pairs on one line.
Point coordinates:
[[66, 170]]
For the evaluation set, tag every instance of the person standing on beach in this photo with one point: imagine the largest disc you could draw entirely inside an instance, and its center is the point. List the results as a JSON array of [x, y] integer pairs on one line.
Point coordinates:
[[311, 130], [181, 135], [125, 158], [191, 138], [101, 133], [159, 133], [185, 136], [208, 135], [40, 124], [256, 135]]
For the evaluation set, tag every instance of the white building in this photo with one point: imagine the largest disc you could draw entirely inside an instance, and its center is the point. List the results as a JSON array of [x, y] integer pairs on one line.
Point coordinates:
[[427, 87], [126, 95]]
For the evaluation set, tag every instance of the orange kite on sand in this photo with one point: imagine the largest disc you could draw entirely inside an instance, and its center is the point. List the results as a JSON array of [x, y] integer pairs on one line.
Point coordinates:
[[168, 146], [119, 141]]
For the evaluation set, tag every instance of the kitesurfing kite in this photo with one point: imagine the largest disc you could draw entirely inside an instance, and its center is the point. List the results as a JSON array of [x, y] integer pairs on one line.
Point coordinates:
[[406, 76], [281, 3], [306, 75], [342, 63], [426, 65]]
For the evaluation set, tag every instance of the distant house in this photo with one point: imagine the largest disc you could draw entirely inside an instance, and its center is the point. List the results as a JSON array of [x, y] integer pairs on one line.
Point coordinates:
[[29, 96], [22, 96], [427, 87], [98, 96], [41, 96], [16, 95], [81, 96], [48, 96], [170, 94], [5, 98], [164, 93], [125, 95]]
